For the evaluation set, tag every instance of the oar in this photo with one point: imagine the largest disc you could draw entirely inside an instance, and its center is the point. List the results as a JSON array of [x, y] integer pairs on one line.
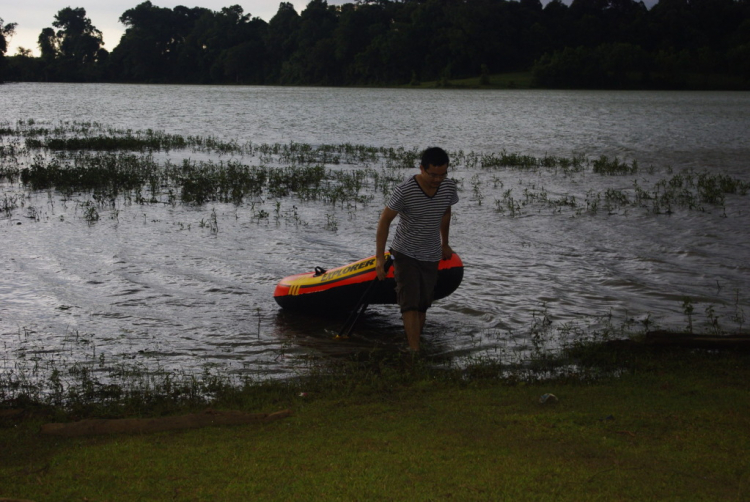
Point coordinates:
[[362, 305]]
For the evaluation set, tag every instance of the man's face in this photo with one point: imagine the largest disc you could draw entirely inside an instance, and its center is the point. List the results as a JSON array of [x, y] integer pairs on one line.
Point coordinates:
[[434, 175]]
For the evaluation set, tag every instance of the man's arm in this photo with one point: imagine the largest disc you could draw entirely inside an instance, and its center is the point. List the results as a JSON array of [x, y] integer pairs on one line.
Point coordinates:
[[384, 225], [445, 226]]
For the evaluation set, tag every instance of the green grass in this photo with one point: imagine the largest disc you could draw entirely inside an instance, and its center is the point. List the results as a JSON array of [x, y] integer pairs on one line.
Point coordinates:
[[512, 80], [675, 426]]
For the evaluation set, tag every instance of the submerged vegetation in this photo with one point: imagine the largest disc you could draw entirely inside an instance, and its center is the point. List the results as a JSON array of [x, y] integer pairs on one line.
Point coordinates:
[[109, 163]]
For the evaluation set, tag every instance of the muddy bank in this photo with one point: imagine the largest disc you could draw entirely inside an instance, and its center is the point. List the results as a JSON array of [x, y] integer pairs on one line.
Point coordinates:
[[92, 427]]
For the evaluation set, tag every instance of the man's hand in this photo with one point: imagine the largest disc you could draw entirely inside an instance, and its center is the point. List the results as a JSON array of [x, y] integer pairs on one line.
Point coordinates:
[[384, 224], [447, 252], [380, 267]]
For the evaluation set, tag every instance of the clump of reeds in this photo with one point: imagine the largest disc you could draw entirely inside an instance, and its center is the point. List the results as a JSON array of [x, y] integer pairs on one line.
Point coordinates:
[[113, 172], [603, 165], [687, 190], [529, 162], [9, 204], [200, 182]]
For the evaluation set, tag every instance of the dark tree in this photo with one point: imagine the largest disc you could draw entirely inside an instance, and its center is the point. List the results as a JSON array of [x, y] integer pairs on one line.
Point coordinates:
[[6, 32], [314, 59], [72, 52], [282, 39], [153, 43], [218, 35]]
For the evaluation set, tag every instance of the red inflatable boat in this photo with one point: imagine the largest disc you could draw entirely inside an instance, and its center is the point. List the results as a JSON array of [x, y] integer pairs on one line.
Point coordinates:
[[342, 288]]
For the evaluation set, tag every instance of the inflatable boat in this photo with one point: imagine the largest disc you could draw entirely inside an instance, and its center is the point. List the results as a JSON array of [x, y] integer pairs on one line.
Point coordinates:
[[341, 289]]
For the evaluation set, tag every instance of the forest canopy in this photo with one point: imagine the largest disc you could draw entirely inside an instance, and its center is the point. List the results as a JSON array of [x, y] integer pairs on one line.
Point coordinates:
[[588, 44]]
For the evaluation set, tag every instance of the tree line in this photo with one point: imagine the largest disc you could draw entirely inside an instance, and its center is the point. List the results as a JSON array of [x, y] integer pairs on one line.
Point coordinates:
[[588, 44]]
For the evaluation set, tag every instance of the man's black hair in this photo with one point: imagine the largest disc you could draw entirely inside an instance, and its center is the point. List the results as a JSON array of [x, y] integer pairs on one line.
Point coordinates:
[[434, 156]]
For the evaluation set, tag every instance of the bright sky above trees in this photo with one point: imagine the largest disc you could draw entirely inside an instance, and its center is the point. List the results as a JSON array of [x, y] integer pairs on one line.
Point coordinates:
[[33, 17]]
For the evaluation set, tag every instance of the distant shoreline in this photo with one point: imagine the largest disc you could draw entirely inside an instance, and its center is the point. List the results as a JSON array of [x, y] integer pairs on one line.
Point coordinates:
[[499, 81]]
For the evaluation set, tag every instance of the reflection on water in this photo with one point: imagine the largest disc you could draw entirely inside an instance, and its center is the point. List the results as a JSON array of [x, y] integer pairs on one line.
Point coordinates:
[[151, 283]]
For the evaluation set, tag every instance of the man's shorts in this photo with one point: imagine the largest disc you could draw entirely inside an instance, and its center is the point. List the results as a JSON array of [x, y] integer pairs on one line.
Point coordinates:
[[415, 282]]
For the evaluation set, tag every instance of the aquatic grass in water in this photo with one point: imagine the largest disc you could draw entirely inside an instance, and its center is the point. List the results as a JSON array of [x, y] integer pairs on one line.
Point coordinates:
[[200, 182], [112, 172], [110, 143], [604, 165], [689, 190], [9, 204], [526, 162], [316, 173]]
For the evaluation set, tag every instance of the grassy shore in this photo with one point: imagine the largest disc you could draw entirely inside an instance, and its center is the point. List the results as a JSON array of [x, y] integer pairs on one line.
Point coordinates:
[[525, 80], [512, 80], [655, 424]]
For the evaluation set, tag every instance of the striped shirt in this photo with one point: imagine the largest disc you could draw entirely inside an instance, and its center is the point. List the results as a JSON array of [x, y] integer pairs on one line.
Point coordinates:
[[418, 231]]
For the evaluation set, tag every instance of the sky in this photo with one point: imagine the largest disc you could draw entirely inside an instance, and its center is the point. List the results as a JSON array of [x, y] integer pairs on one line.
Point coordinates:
[[33, 16]]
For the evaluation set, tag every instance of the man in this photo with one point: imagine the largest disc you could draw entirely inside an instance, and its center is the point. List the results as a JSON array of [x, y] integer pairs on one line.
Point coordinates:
[[423, 203]]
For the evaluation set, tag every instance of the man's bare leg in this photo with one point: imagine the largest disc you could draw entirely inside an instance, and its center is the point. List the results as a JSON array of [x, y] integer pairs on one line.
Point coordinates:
[[413, 325]]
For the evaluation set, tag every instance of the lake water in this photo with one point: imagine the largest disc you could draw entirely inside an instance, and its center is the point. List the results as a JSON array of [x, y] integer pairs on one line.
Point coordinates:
[[152, 285]]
